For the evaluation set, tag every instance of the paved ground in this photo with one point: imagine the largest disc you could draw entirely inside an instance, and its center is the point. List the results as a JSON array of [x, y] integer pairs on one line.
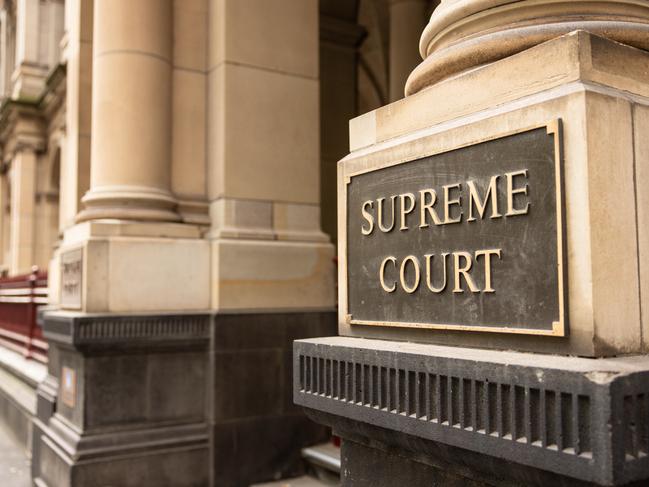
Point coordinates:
[[14, 466]]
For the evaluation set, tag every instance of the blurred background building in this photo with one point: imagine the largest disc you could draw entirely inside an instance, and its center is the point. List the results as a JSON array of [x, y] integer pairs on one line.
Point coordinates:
[[168, 189]]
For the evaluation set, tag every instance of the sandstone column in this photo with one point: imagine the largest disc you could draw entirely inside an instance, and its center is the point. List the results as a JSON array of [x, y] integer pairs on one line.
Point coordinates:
[[4, 226], [460, 403], [131, 98], [23, 202], [268, 249], [75, 155], [407, 19]]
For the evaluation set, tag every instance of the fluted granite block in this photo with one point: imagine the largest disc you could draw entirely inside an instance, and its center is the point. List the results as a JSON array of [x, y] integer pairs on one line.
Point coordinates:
[[530, 418]]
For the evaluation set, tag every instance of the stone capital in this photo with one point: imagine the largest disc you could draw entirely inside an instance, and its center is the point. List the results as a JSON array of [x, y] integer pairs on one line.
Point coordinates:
[[463, 34]]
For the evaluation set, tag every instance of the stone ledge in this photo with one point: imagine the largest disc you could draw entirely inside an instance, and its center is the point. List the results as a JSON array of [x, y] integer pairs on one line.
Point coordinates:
[[582, 418], [131, 330]]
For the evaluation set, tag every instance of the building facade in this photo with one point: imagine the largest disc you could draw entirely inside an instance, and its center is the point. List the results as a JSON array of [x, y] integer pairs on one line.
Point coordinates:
[[171, 164]]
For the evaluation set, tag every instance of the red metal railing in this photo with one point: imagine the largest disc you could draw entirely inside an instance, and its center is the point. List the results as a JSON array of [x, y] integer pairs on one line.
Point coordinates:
[[20, 296]]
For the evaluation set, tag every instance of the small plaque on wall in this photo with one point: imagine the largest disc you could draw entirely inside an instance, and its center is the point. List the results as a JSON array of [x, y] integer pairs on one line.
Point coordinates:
[[468, 239], [68, 386], [71, 278]]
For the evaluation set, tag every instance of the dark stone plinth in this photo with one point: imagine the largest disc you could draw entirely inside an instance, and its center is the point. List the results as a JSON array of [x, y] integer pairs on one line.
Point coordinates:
[[133, 412], [172, 399], [485, 416], [257, 431]]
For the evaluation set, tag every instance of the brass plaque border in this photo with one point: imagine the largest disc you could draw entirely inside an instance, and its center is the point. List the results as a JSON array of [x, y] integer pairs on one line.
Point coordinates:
[[559, 328]]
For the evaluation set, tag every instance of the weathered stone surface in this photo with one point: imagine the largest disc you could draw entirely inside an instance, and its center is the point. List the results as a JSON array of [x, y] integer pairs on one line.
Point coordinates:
[[577, 418], [257, 432]]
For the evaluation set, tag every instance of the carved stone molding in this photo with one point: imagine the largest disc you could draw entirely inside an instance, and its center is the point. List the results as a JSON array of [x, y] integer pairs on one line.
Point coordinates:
[[463, 34], [580, 418]]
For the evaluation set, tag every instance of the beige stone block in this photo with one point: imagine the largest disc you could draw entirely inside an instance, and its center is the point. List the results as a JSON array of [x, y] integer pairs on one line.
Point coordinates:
[[297, 222], [190, 34], [271, 275], [158, 275], [125, 228], [264, 136], [188, 164], [603, 285], [233, 218], [612, 212], [142, 274], [54, 280], [281, 35], [641, 129], [96, 279], [362, 131]]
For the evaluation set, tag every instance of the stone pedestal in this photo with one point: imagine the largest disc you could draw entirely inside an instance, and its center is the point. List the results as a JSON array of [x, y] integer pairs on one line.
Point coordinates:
[[124, 402], [454, 408]]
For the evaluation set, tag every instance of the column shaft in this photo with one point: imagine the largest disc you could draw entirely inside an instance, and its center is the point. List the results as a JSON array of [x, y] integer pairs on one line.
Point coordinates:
[[131, 112], [23, 190]]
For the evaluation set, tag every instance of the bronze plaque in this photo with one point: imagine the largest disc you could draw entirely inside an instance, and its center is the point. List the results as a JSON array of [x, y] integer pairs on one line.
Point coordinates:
[[468, 239]]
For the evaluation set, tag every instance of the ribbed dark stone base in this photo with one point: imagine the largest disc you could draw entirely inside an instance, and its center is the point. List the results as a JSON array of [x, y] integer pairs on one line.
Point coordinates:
[[486, 415], [173, 399]]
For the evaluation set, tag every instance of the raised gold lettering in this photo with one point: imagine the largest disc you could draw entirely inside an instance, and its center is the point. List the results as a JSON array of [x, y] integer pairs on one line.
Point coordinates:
[[405, 211], [382, 274], [487, 266], [380, 215], [427, 208], [512, 191], [481, 206], [448, 203], [402, 274], [368, 216], [463, 271], [429, 273]]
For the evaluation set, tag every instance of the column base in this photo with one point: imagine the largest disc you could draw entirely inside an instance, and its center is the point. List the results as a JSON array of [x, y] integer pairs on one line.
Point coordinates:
[[182, 399], [129, 401], [129, 203], [257, 432], [479, 414]]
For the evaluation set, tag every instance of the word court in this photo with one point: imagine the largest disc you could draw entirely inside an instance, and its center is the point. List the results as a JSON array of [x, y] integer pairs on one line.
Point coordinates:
[[468, 238]]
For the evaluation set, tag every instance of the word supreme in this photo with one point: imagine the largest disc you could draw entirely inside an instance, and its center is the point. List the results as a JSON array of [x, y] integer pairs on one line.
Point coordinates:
[[453, 204]]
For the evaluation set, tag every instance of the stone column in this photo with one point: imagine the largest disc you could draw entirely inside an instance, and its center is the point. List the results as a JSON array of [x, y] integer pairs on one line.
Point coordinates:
[[407, 19], [272, 266], [75, 153], [268, 249], [463, 403], [29, 74], [23, 202], [130, 177], [4, 204]]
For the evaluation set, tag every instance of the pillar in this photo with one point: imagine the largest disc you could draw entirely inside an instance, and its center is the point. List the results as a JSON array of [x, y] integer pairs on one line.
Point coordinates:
[[407, 19], [75, 150], [23, 204], [28, 75], [130, 177], [269, 251], [4, 226], [272, 266], [421, 397]]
